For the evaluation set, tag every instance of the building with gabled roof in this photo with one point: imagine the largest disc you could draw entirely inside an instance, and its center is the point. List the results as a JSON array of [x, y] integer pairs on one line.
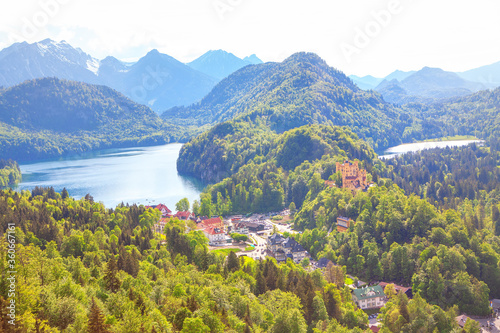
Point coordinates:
[[405, 290], [239, 228], [461, 320], [215, 235], [323, 262], [277, 244], [343, 223], [369, 297], [214, 221], [184, 215], [160, 225], [162, 208]]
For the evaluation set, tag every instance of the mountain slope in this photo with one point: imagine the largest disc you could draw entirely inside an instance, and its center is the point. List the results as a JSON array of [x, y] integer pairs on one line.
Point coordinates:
[[219, 64], [49, 117], [253, 59], [156, 80], [23, 61], [428, 84], [272, 98], [488, 75], [366, 82], [477, 114], [302, 89], [282, 172], [160, 81]]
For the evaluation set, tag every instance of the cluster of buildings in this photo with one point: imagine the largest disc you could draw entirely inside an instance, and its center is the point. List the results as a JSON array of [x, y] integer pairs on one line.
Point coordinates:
[[215, 229], [283, 248]]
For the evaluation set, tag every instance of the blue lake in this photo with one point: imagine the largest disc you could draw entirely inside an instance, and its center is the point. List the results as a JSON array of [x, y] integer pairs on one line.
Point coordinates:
[[143, 175]]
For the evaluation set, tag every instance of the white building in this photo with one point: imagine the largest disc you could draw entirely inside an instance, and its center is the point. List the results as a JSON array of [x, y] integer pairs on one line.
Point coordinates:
[[369, 297]]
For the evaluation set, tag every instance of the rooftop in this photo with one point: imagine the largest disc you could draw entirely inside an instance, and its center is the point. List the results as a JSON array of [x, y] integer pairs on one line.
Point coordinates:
[[368, 292]]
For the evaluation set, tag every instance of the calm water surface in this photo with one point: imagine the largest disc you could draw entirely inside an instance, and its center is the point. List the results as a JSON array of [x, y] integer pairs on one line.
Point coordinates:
[[412, 147], [144, 175]]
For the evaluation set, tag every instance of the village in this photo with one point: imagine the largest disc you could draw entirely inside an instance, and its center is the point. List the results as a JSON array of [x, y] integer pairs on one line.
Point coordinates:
[[269, 235]]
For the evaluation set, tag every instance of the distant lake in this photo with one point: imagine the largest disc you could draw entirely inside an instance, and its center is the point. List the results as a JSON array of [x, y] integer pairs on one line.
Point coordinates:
[[144, 175], [412, 147]]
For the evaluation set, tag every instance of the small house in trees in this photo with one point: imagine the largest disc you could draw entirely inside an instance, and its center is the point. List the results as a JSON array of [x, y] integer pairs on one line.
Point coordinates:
[[162, 208], [184, 215], [160, 226], [461, 320], [343, 223], [369, 297], [405, 290], [323, 262]]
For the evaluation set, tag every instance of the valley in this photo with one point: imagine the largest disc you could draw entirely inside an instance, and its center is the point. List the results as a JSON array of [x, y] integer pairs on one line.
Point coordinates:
[[138, 178]]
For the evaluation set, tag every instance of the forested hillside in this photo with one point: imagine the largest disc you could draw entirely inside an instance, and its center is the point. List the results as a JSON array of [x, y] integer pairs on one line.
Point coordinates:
[[301, 90], [284, 169], [477, 114], [50, 117], [10, 174], [448, 176], [445, 243], [82, 267]]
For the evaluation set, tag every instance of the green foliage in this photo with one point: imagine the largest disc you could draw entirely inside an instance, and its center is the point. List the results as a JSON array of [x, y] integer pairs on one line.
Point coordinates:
[[239, 237], [182, 205], [50, 117], [262, 185], [87, 268], [10, 173], [96, 322]]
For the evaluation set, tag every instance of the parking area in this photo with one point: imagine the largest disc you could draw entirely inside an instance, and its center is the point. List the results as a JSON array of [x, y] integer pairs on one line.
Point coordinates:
[[373, 319], [490, 325]]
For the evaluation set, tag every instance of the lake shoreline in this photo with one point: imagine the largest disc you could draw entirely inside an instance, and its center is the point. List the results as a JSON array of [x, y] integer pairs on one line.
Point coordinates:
[[423, 145], [134, 175]]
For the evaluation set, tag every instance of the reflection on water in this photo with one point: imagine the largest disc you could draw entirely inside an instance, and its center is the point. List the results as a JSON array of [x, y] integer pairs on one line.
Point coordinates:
[[411, 147], [144, 175]]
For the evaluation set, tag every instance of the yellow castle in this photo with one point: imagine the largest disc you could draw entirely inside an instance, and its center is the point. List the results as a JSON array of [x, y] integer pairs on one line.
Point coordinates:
[[353, 177]]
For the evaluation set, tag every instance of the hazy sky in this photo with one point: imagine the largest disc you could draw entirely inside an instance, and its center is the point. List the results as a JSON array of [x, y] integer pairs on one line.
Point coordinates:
[[356, 36]]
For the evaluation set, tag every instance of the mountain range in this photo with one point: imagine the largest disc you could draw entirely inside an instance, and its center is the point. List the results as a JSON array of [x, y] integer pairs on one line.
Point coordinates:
[[430, 85], [300, 90], [257, 102], [220, 64], [426, 86], [156, 80]]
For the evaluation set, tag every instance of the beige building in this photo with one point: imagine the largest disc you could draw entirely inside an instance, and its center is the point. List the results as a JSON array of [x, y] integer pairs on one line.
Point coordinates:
[[369, 297], [353, 177]]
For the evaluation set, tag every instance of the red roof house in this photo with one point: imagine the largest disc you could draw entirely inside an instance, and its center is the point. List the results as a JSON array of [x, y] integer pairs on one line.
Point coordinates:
[[162, 208], [183, 215]]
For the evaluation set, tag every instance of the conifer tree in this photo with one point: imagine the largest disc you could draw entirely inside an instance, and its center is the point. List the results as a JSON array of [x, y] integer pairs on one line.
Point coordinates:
[[96, 322], [112, 282]]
